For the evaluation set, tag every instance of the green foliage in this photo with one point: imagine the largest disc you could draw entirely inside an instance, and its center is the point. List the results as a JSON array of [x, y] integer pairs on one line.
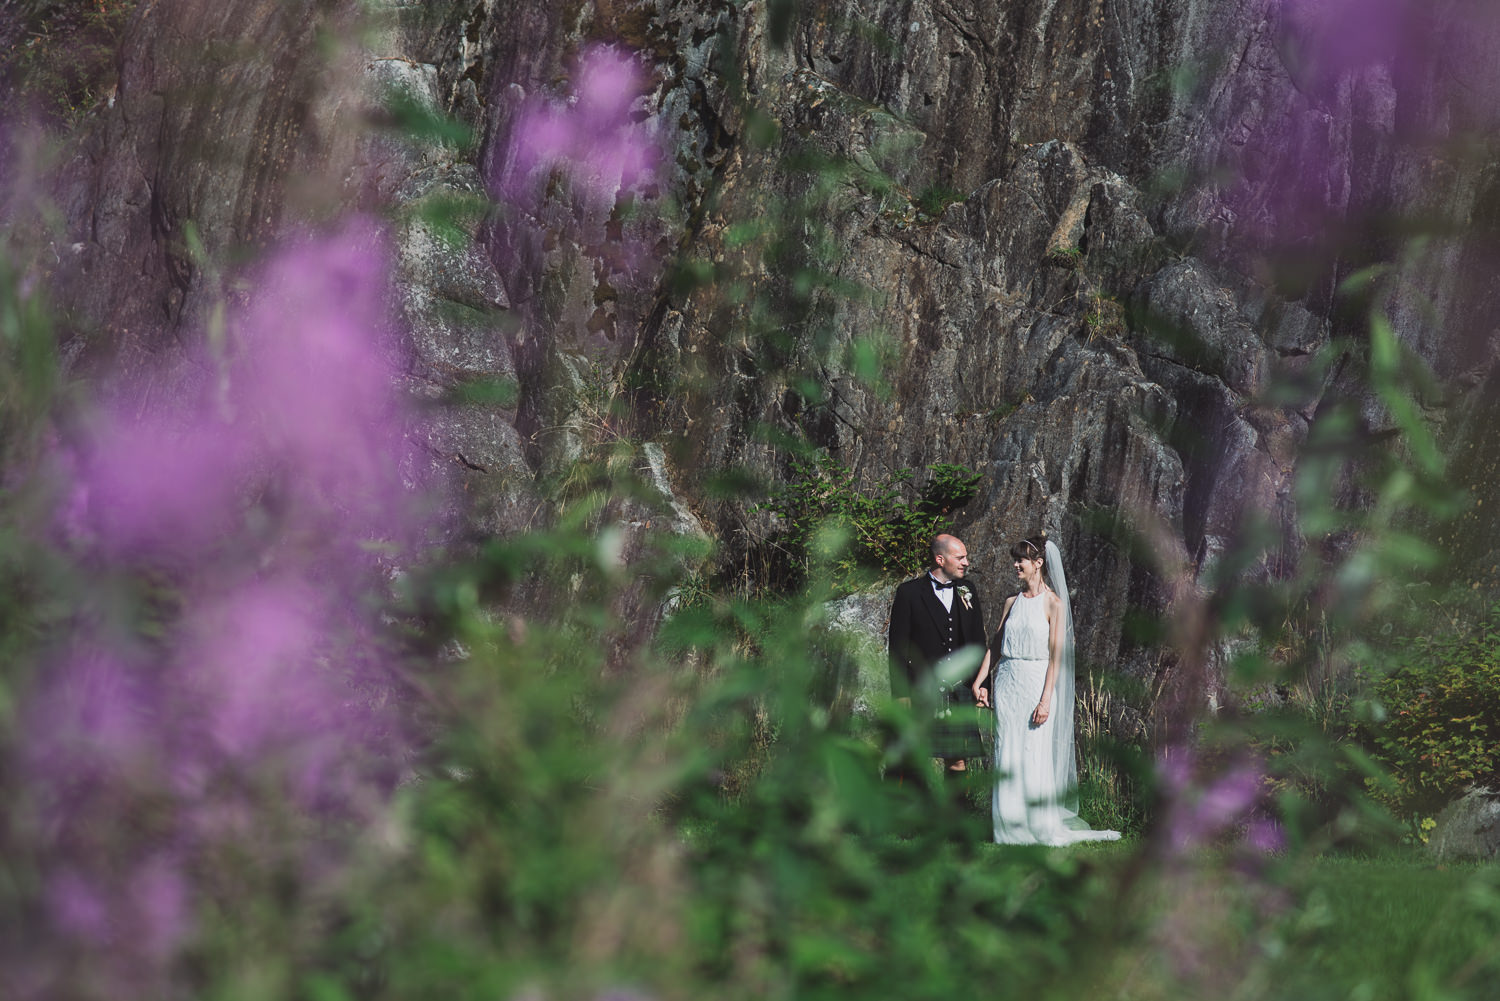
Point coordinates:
[[28, 365], [1303, 638], [1070, 257], [1391, 927], [411, 118], [1105, 317], [31, 589], [61, 53], [831, 527], [595, 807], [485, 392], [949, 487], [1113, 785], [933, 199], [685, 833], [451, 216], [1440, 732]]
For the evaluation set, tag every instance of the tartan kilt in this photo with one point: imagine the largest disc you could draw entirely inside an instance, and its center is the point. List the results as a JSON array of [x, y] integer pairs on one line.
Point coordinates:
[[956, 730]]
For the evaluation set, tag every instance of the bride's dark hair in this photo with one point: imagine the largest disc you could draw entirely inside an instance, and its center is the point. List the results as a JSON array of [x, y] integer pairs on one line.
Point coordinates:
[[1034, 548]]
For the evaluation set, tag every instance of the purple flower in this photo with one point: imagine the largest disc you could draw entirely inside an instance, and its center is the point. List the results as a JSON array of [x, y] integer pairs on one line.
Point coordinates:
[[160, 901], [250, 653], [544, 136], [90, 718], [608, 81], [76, 908], [1199, 808], [1265, 836], [1228, 797], [152, 915], [593, 142], [1341, 36], [313, 389], [254, 497], [302, 415], [161, 483]]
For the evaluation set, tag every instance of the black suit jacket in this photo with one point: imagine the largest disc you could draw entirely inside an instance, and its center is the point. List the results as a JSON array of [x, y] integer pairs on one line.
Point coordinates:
[[919, 628]]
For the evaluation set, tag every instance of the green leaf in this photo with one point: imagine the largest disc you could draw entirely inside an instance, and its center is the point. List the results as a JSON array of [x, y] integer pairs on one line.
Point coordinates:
[[1385, 351]]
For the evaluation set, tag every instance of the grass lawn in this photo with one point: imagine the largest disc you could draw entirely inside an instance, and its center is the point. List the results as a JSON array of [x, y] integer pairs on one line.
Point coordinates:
[[1371, 929], [1393, 928], [1398, 927]]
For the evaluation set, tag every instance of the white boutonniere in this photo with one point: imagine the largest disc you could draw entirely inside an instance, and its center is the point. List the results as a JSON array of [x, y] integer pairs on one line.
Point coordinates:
[[963, 595]]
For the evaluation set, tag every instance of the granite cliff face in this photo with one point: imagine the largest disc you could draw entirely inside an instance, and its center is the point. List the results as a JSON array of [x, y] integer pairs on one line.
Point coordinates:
[[1083, 240]]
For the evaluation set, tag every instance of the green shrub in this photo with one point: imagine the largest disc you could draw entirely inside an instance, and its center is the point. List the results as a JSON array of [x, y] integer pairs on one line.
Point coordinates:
[[1442, 719], [829, 521], [935, 198], [1070, 257]]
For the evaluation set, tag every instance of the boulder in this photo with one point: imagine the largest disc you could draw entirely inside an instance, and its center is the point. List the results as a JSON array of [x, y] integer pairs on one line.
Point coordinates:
[[860, 620], [1469, 827]]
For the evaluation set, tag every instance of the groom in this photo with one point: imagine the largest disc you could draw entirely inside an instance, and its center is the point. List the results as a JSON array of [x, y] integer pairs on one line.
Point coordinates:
[[933, 616]]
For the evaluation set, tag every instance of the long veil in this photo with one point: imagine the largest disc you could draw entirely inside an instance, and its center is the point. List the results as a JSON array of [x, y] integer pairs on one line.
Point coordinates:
[[1063, 699]]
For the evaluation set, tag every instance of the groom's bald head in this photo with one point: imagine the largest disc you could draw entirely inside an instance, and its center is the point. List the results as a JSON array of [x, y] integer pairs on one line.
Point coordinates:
[[950, 560]]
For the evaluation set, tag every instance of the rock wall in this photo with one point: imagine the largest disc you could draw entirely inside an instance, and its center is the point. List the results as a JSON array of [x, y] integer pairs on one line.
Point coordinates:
[[1084, 238]]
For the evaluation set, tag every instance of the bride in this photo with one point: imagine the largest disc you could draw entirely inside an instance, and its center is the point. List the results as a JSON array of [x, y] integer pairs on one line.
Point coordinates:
[[1035, 800]]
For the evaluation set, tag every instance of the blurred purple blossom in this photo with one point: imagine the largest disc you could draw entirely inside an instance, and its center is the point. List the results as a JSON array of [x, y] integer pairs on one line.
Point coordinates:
[[1202, 805], [607, 84], [76, 908], [160, 900], [147, 918], [591, 140], [261, 500], [1265, 836], [90, 717], [252, 652], [313, 387], [1341, 36], [159, 482], [577, 169], [1363, 76], [303, 415]]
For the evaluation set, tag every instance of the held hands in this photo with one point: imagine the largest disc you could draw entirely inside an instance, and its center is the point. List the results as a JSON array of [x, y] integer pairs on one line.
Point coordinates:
[[981, 695]]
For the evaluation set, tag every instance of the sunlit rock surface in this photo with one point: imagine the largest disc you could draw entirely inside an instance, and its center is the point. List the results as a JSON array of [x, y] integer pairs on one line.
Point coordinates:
[[1468, 828], [1086, 239]]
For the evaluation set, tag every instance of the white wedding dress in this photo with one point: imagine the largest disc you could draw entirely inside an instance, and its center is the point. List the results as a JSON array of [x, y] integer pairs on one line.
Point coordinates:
[[1035, 790]]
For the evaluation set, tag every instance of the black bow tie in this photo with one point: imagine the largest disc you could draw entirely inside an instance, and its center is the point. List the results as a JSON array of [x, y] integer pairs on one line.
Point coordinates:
[[940, 585]]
